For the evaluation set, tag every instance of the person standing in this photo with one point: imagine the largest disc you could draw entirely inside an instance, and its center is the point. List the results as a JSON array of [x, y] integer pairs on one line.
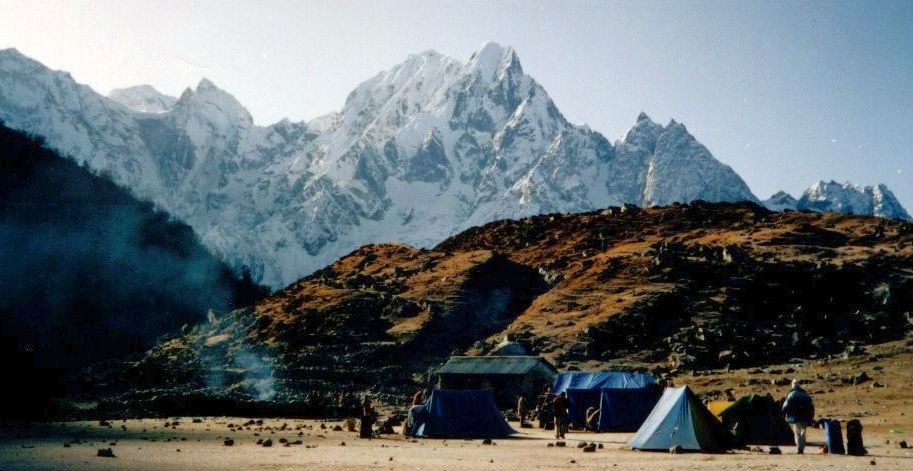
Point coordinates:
[[521, 410], [544, 407], [368, 417], [560, 407], [800, 413]]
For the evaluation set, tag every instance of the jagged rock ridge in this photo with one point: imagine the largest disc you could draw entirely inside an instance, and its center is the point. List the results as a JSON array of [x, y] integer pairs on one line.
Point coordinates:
[[418, 152], [844, 198]]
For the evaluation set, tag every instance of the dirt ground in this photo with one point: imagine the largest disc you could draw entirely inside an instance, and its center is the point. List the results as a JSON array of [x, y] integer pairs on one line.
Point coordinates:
[[148, 445]]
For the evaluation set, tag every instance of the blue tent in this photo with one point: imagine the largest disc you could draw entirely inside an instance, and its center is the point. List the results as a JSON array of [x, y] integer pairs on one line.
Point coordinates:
[[601, 380], [458, 413], [624, 400], [680, 420]]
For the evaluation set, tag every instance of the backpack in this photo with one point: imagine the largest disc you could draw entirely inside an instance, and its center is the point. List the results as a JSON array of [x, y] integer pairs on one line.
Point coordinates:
[[854, 438]]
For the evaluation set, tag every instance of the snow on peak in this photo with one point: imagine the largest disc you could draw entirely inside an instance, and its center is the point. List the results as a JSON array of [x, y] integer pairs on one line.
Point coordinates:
[[644, 132], [849, 198], [493, 60], [143, 98], [213, 104]]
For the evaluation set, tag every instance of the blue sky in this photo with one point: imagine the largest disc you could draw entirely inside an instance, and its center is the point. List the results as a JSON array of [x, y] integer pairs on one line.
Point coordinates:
[[787, 93]]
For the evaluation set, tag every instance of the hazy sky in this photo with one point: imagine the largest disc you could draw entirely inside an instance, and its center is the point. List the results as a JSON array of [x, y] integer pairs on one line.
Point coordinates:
[[787, 93]]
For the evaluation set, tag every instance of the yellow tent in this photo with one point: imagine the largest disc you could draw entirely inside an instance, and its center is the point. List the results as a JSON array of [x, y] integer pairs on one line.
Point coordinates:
[[717, 407]]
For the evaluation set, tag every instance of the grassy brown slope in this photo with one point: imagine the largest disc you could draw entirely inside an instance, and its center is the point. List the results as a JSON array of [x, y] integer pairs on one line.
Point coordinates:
[[696, 286]]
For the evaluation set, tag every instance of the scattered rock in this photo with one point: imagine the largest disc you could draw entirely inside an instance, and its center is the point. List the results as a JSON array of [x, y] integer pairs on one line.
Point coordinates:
[[487, 441], [560, 444], [775, 451], [589, 448], [228, 442], [106, 453], [861, 378], [268, 442], [902, 444]]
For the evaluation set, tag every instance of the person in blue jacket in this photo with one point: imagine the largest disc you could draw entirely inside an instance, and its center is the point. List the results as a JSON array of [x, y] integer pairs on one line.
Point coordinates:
[[800, 413]]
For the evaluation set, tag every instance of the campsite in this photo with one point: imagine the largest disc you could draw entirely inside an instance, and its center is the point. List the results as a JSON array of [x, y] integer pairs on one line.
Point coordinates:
[[153, 444]]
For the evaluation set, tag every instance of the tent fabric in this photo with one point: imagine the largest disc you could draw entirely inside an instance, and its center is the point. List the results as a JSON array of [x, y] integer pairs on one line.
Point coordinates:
[[601, 380], [757, 420], [579, 400], [625, 410], [459, 413], [680, 420]]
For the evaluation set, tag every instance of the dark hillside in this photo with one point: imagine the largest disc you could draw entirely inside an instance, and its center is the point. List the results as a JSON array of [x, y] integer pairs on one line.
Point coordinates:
[[88, 271]]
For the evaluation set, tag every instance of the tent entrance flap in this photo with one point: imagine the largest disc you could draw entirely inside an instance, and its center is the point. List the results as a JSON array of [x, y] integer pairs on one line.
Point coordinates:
[[625, 410]]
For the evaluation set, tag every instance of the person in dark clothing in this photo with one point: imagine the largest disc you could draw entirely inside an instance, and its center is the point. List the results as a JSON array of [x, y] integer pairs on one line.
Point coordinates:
[[800, 413], [544, 408], [368, 417], [560, 406]]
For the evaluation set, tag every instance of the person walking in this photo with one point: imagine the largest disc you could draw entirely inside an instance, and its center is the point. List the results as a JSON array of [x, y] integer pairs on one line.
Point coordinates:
[[800, 413], [560, 406]]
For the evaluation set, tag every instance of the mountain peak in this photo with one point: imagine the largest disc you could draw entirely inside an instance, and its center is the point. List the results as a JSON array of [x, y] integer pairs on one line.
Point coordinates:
[[644, 132], [849, 198], [11, 51], [143, 98], [779, 201], [213, 102], [492, 59]]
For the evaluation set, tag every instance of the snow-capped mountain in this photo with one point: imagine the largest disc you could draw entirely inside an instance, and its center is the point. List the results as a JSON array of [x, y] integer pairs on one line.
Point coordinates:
[[417, 153], [143, 98], [845, 198]]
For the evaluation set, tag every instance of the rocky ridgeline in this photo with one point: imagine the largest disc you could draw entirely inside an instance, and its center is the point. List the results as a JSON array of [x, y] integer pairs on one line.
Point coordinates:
[[682, 287]]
